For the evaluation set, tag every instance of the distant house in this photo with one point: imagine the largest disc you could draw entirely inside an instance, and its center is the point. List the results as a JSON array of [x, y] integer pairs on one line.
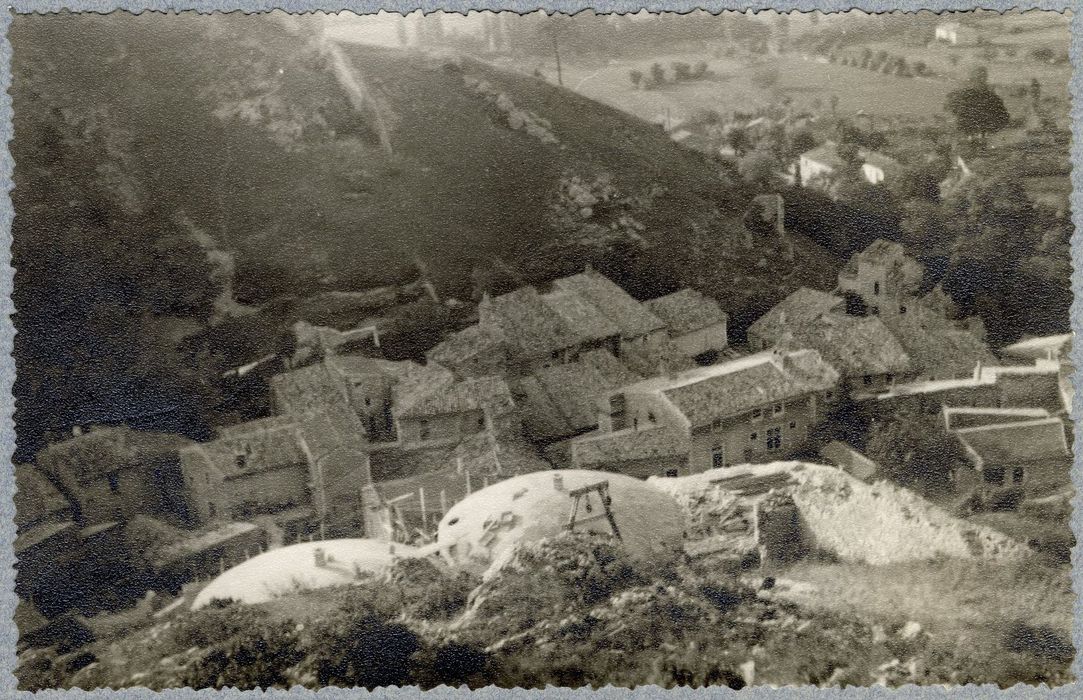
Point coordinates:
[[251, 469], [1034, 386], [955, 34], [472, 352], [1033, 456], [824, 161], [758, 407], [802, 305], [883, 276], [820, 162], [696, 323], [115, 473]]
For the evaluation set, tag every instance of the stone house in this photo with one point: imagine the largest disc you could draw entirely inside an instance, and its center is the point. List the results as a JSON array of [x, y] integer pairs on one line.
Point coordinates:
[[1032, 456], [580, 313], [955, 34], [696, 324], [760, 407], [560, 402], [863, 350], [433, 408], [817, 166], [254, 468], [115, 473], [883, 277]]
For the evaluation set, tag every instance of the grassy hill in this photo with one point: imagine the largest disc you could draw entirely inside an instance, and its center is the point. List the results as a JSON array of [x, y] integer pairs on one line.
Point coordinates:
[[163, 155]]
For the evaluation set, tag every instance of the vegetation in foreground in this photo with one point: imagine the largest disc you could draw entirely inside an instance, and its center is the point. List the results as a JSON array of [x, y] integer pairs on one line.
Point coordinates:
[[574, 612]]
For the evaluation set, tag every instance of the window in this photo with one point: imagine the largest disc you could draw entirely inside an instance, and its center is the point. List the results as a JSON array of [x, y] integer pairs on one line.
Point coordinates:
[[718, 457], [757, 414], [874, 310], [793, 425], [368, 401], [481, 422], [994, 476], [114, 482], [671, 473], [867, 379], [774, 438], [424, 431], [876, 288], [618, 414], [777, 409], [716, 423], [241, 461], [650, 416], [754, 436], [1018, 474], [902, 309]]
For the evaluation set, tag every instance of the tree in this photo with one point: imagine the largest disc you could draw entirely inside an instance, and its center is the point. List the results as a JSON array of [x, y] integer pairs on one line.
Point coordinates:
[[1035, 90], [739, 140], [918, 182], [978, 110], [658, 74], [681, 71], [979, 76], [759, 168], [636, 78], [913, 450]]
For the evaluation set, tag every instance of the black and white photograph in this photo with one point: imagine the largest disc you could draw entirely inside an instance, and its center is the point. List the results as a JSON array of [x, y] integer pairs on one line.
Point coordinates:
[[528, 350]]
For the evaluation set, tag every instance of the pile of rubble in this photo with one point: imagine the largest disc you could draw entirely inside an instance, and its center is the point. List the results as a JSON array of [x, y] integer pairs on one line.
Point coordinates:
[[835, 513]]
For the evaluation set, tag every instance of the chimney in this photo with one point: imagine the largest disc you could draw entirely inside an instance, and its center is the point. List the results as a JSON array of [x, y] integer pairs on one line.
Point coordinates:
[[321, 557], [977, 371], [558, 482]]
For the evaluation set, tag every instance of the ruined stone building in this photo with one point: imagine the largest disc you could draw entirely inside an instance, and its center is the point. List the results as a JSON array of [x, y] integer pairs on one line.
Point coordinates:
[[111, 474], [696, 323], [883, 276], [1032, 457], [760, 407]]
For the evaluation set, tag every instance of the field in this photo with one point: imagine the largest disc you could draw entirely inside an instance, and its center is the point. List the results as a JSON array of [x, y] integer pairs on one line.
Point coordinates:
[[740, 86]]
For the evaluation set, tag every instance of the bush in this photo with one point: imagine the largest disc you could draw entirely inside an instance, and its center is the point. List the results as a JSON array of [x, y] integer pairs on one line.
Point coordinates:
[[366, 651], [257, 657]]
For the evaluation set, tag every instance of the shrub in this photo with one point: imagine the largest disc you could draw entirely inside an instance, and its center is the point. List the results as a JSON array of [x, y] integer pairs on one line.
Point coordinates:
[[366, 651], [257, 657]]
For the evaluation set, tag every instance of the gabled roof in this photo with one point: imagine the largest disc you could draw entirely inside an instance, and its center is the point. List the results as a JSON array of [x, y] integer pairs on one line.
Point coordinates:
[[686, 310], [468, 345], [629, 445], [631, 317], [826, 153], [439, 398], [1040, 347], [531, 327], [853, 345], [1008, 444], [583, 318], [252, 448], [739, 386], [934, 343], [802, 305]]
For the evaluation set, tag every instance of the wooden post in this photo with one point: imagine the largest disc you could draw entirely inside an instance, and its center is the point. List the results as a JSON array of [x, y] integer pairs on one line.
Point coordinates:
[[443, 502], [468, 490]]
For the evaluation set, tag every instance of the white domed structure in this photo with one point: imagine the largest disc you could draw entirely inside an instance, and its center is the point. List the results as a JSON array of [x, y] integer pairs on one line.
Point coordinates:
[[481, 531], [303, 566]]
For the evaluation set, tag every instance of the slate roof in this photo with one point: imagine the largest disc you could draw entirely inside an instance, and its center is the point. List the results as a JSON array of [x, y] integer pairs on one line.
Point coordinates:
[[560, 401], [630, 445], [803, 304], [934, 343], [442, 398], [686, 310], [582, 317], [631, 317], [531, 327], [1013, 443], [853, 345], [732, 388], [466, 345], [266, 444]]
